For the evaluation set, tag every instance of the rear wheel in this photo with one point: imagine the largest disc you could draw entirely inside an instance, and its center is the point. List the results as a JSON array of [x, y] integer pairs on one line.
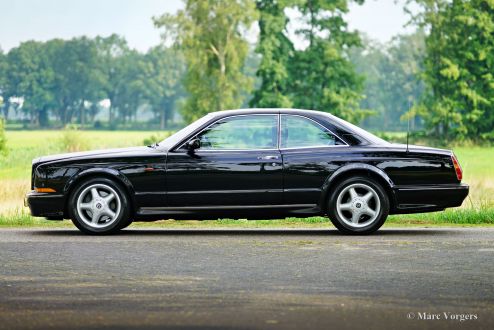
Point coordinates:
[[125, 224], [358, 205], [99, 206]]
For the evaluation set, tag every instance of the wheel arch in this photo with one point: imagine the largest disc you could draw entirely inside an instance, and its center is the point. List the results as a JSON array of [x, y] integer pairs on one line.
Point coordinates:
[[353, 170], [87, 174]]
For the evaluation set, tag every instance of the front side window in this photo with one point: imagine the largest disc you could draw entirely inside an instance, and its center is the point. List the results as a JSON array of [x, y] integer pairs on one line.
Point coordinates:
[[241, 133], [300, 132]]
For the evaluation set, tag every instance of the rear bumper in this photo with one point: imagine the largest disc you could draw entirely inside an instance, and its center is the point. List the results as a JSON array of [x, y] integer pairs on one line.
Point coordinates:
[[428, 198], [45, 204]]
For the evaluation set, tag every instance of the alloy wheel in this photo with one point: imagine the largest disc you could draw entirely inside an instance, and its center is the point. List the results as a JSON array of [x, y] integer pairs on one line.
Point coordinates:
[[98, 205], [358, 205]]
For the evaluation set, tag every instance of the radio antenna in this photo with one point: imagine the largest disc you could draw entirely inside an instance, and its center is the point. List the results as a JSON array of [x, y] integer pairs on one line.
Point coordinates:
[[408, 122]]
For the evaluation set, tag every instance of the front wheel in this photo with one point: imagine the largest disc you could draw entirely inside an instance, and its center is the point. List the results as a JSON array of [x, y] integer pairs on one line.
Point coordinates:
[[358, 205], [99, 206]]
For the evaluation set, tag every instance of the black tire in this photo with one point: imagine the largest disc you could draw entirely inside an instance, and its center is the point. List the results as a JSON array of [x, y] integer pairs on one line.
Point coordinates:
[[127, 223], [341, 223], [120, 220]]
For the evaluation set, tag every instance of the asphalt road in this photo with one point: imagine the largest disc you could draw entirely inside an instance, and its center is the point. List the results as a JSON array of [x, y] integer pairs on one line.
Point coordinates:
[[247, 279]]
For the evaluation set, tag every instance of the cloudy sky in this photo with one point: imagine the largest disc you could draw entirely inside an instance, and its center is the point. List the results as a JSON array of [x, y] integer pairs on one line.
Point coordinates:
[[42, 20]]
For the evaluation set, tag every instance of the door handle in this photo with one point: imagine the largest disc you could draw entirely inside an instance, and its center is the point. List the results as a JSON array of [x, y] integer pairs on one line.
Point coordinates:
[[270, 157]]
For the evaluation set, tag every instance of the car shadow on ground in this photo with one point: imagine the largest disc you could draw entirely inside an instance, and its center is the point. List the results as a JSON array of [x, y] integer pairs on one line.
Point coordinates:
[[250, 232]]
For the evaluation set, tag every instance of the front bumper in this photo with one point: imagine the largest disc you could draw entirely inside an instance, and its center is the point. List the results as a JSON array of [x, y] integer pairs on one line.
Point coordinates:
[[428, 198], [45, 204]]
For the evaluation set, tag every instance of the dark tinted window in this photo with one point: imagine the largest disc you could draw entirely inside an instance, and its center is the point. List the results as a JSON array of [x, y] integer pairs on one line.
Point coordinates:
[[300, 132], [242, 132]]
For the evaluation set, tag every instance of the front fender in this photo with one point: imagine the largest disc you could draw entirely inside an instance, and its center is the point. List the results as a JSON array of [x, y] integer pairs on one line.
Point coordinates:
[[106, 172]]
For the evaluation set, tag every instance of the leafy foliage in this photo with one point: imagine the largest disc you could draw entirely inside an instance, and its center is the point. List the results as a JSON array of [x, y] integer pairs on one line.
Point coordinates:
[[163, 71], [276, 50], [322, 77], [459, 67], [393, 79], [3, 139], [155, 138], [318, 77], [71, 140], [209, 34], [3, 83], [67, 80]]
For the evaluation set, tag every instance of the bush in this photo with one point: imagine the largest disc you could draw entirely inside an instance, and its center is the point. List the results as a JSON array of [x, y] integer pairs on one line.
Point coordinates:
[[3, 139], [98, 124], [72, 140], [155, 138]]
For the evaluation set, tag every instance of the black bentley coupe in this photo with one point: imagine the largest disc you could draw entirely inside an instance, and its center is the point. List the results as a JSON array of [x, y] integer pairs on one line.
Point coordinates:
[[249, 164]]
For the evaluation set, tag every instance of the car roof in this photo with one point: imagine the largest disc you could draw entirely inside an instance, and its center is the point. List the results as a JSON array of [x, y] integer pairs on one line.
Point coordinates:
[[264, 110], [343, 126]]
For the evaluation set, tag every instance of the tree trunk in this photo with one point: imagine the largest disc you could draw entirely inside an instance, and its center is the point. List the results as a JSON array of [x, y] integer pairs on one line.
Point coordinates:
[[82, 113], [163, 118], [5, 108], [43, 117]]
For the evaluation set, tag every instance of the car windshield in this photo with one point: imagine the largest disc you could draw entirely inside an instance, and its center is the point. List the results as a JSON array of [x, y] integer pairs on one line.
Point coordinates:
[[180, 135]]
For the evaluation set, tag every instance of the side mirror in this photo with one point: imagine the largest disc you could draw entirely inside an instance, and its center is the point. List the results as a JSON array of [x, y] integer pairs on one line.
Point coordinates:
[[193, 144]]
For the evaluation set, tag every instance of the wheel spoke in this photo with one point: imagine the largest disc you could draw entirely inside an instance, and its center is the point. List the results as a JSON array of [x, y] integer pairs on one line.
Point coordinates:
[[95, 217], [370, 212], [94, 193], [367, 197], [353, 193], [85, 206], [109, 213], [109, 198], [355, 217], [345, 207]]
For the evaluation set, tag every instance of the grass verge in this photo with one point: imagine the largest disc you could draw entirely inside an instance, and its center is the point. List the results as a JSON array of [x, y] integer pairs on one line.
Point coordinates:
[[453, 217]]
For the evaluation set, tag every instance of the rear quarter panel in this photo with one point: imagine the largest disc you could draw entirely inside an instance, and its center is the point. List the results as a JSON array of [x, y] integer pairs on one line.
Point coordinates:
[[307, 170]]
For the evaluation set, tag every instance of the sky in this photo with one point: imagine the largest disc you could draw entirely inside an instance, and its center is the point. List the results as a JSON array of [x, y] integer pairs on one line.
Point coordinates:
[[41, 20]]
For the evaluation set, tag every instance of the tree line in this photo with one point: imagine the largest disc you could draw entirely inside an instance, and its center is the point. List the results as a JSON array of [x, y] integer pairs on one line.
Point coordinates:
[[439, 77], [68, 79]]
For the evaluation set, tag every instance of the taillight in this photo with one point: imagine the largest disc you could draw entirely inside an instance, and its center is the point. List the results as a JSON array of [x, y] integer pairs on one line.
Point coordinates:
[[456, 164]]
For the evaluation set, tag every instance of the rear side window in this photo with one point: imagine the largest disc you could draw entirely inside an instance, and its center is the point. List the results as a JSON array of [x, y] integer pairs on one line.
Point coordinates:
[[301, 132]]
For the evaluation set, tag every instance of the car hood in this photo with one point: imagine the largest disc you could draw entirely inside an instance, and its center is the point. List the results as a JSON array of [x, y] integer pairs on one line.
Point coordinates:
[[94, 153]]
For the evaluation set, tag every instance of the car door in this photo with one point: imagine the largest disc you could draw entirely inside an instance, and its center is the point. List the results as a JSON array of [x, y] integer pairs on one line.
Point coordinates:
[[238, 163], [310, 154]]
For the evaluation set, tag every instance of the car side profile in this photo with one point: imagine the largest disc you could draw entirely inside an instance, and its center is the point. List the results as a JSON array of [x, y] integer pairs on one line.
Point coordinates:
[[249, 164]]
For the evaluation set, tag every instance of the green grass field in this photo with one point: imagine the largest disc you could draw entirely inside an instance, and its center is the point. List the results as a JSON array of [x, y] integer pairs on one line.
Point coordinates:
[[477, 163]]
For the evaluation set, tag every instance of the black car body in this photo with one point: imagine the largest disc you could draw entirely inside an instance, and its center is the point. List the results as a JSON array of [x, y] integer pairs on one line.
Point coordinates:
[[185, 177]]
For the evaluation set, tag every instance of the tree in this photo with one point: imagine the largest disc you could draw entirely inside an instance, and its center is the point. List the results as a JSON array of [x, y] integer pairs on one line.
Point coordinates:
[[393, 79], [4, 102], [31, 76], [163, 72], [3, 139], [3, 86], [210, 35], [112, 52], [276, 50], [79, 80], [321, 76], [131, 90], [459, 66]]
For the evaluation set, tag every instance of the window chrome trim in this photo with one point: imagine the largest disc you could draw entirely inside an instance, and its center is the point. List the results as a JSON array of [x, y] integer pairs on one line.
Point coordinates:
[[314, 147], [310, 147], [279, 131], [237, 150], [232, 116]]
